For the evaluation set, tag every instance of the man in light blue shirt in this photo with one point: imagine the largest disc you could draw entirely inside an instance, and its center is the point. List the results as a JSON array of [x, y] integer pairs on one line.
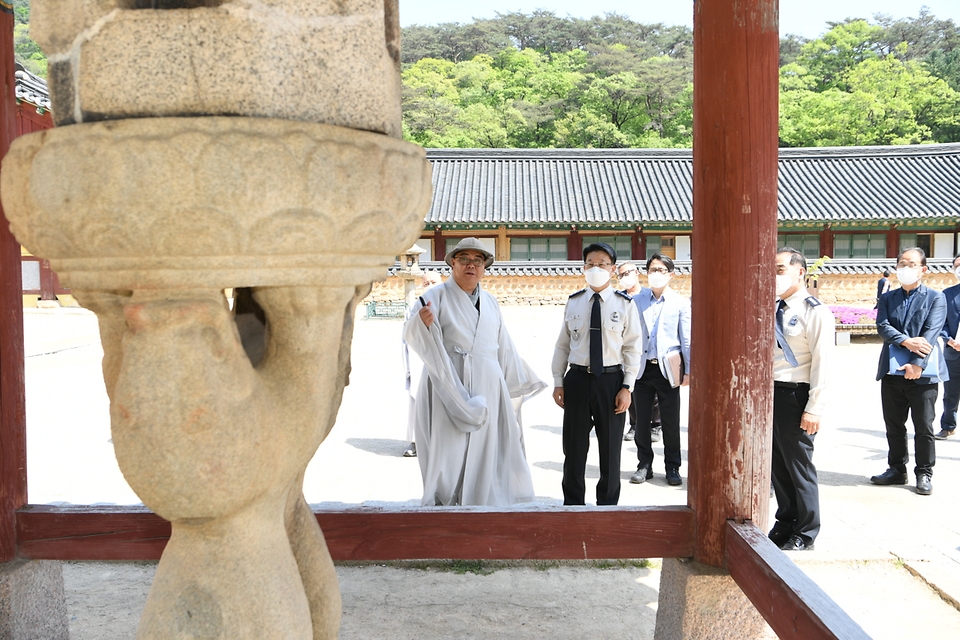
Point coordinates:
[[666, 316]]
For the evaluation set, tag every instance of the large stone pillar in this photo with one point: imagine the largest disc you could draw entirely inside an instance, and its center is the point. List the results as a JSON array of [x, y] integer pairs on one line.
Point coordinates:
[[203, 145], [734, 224]]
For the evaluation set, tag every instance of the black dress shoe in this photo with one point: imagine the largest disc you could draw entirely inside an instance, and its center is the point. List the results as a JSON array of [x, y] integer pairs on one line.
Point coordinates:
[[890, 476], [779, 535], [924, 486], [628, 436], [673, 478], [796, 543], [642, 475], [655, 433]]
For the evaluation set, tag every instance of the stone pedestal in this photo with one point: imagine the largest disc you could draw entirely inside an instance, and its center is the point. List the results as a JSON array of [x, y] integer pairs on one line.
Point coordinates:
[[699, 601], [204, 145], [32, 603]]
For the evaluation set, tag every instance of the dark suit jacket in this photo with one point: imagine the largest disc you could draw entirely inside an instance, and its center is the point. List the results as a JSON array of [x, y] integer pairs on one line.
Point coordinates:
[[952, 295], [924, 317]]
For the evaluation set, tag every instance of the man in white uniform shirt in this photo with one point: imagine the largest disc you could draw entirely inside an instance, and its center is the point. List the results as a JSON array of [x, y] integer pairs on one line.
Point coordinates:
[[594, 366], [804, 343]]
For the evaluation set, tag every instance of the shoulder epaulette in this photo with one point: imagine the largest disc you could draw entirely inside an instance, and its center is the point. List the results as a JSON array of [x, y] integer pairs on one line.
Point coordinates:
[[576, 293], [813, 302], [622, 293]]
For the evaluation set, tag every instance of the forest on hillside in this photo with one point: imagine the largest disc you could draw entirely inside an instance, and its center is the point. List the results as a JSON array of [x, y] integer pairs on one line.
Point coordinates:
[[540, 80]]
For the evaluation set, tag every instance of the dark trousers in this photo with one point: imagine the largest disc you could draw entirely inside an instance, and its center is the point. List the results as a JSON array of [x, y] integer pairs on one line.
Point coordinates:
[[897, 397], [652, 385], [654, 417], [589, 402], [793, 473], [951, 395]]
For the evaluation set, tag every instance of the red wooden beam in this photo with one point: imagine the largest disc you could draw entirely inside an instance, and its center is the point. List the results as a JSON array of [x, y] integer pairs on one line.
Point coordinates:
[[735, 70], [364, 533], [13, 435], [791, 603]]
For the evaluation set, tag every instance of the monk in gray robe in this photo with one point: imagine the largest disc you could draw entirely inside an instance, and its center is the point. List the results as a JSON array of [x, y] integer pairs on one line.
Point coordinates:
[[468, 430]]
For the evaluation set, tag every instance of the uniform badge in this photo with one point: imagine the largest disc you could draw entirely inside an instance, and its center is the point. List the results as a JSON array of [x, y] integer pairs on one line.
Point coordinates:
[[615, 316], [793, 321], [575, 334]]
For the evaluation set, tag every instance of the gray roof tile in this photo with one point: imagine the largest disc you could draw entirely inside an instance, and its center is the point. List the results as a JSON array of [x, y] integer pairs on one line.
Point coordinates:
[[627, 187]]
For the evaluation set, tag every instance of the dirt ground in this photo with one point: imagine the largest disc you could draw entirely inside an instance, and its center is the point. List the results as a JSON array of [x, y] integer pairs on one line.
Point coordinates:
[[890, 558]]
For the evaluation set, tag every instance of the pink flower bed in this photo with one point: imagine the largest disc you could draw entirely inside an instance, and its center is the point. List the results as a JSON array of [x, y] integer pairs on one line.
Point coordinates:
[[854, 315]]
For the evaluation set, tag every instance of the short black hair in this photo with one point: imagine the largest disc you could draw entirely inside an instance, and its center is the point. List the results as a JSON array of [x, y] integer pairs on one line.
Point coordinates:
[[795, 256], [886, 272], [600, 246], [667, 262], [923, 255]]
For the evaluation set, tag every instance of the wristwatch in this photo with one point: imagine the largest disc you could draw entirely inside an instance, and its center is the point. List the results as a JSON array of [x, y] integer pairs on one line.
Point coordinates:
[[625, 386]]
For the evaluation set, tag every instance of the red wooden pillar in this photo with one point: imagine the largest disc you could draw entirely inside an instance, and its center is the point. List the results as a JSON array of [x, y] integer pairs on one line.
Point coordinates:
[[439, 245], [893, 241], [639, 246], [826, 241], [735, 207], [13, 435], [575, 245]]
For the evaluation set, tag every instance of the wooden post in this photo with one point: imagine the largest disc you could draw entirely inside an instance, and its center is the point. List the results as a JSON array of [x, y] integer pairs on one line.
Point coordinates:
[[13, 435], [575, 245], [893, 241], [735, 210]]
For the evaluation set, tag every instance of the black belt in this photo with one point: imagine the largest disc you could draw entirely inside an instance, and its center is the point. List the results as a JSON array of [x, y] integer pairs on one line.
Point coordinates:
[[617, 368], [790, 385]]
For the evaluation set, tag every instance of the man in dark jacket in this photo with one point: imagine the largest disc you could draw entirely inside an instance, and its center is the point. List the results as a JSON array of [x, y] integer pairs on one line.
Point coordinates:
[[909, 320]]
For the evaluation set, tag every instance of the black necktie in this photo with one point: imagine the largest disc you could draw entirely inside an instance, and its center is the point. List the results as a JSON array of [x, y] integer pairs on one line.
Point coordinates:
[[782, 341], [596, 338]]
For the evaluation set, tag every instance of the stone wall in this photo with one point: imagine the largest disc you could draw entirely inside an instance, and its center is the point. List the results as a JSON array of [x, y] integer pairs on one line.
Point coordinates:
[[840, 289]]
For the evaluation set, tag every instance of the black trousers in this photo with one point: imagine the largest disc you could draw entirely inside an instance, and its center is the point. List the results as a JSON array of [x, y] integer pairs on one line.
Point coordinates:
[[951, 396], [655, 415], [793, 473], [589, 402], [898, 396], [652, 385]]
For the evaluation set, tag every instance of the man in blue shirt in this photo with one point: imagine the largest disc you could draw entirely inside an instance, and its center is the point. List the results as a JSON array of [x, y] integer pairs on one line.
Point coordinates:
[[909, 320], [666, 316], [951, 354]]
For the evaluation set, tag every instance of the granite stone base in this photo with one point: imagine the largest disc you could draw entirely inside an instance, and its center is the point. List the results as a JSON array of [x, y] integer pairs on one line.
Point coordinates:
[[32, 602], [699, 601]]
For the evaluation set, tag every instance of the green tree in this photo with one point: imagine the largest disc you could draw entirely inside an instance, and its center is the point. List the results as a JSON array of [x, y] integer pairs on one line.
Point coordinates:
[[946, 66], [830, 59]]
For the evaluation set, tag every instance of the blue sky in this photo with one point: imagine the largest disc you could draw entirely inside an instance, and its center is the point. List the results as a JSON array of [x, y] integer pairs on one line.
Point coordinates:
[[804, 17]]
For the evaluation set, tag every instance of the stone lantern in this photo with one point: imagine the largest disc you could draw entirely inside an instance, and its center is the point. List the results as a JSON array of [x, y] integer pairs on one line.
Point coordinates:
[[204, 145], [410, 272]]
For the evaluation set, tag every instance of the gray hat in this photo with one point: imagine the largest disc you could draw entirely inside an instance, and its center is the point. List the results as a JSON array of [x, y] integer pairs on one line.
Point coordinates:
[[469, 244]]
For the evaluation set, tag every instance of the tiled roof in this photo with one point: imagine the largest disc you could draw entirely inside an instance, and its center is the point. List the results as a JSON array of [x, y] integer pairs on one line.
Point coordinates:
[[868, 266], [31, 88], [554, 188]]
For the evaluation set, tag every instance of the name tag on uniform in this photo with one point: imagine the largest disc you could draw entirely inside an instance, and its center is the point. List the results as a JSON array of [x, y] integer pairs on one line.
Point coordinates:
[[615, 316], [793, 321]]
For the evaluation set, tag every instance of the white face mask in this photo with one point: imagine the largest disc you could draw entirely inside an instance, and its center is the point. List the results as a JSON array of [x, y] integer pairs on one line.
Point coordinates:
[[908, 275], [784, 282], [597, 277], [658, 280], [630, 281]]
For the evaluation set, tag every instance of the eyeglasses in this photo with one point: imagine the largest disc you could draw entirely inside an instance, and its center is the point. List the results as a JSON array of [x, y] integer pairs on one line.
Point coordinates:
[[593, 265], [626, 272], [658, 270], [467, 261]]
